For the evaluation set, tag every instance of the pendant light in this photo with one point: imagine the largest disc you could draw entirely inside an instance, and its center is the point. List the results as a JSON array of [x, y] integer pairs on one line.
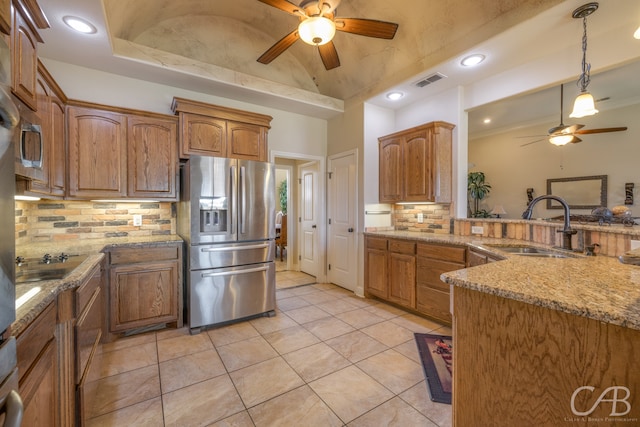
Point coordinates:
[[584, 104]]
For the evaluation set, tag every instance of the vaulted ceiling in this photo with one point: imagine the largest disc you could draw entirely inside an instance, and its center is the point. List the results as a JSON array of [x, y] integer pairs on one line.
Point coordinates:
[[218, 41]]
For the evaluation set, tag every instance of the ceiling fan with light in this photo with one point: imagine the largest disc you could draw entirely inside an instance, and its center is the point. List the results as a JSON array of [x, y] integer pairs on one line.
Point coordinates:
[[318, 25], [564, 134]]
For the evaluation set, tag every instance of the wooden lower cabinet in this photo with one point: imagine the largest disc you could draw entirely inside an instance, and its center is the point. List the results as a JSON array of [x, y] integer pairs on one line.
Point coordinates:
[[375, 272], [519, 364], [402, 273], [433, 294], [145, 287], [407, 273], [37, 370]]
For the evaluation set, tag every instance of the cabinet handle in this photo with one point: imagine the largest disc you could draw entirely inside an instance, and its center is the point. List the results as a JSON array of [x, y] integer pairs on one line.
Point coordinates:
[[30, 163]]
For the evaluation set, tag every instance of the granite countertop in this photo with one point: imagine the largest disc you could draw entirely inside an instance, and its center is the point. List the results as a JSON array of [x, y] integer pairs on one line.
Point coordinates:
[[48, 290], [598, 287]]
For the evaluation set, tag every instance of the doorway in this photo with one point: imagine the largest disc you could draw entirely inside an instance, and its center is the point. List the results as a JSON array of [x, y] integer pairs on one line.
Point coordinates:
[[289, 272]]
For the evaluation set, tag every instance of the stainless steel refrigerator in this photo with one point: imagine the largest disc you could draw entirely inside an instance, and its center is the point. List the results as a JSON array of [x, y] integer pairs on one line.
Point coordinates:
[[10, 403], [226, 216]]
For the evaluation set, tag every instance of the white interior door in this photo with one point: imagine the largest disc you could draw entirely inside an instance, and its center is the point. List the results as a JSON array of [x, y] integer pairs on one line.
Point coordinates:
[[343, 199], [309, 216]]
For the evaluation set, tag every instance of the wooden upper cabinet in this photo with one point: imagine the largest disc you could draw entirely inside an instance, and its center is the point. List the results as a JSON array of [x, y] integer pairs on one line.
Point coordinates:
[[116, 153], [152, 164], [390, 153], [246, 141], [27, 18], [206, 136], [51, 111], [212, 130], [97, 153], [417, 167], [415, 164]]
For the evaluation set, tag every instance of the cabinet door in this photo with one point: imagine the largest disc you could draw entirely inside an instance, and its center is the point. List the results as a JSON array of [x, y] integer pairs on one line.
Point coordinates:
[[376, 272], [143, 295], [206, 136], [417, 155], [246, 141], [24, 49], [151, 158], [97, 153], [57, 149], [402, 279], [390, 175], [38, 390]]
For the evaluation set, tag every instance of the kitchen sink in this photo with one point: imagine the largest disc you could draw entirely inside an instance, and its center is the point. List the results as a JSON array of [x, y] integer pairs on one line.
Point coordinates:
[[531, 251]]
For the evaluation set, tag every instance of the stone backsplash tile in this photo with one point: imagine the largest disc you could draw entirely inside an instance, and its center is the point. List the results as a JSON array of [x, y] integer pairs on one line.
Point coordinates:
[[45, 221], [436, 218]]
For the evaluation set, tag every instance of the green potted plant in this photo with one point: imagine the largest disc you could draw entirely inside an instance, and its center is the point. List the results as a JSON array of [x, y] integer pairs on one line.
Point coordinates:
[[478, 189], [282, 194]]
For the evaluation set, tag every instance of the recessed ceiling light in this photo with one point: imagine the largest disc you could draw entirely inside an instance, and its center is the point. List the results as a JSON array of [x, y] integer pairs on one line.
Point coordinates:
[[472, 60], [486, 121], [80, 25], [394, 96]]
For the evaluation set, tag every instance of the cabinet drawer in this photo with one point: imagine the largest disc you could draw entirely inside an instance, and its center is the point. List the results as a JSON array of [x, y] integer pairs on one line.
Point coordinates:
[[87, 289], [376, 243], [429, 271], [442, 252], [135, 255], [433, 302], [402, 247], [31, 342]]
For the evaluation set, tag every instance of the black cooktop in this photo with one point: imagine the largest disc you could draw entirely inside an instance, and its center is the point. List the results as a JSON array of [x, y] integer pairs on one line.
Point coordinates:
[[48, 267]]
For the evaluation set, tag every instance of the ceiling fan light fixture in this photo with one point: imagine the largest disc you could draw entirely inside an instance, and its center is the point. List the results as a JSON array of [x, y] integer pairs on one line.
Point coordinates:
[[636, 35], [583, 106], [560, 140], [317, 30]]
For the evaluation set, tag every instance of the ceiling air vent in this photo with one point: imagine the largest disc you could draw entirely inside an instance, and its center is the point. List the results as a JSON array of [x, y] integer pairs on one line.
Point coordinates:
[[429, 79]]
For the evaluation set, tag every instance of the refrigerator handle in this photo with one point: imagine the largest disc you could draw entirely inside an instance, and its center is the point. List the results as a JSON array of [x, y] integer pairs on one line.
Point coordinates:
[[232, 192], [243, 200], [235, 272], [13, 409]]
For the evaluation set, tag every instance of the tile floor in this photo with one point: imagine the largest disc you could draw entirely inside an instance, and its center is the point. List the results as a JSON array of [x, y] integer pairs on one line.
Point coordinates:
[[328, 358]]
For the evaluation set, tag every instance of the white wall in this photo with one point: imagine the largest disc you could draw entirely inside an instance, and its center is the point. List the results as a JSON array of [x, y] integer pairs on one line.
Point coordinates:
[[510, 168], [289, 132]]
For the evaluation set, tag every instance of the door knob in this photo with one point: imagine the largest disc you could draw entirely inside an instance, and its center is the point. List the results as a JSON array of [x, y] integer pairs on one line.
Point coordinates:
[[313, 226], [350, 229]]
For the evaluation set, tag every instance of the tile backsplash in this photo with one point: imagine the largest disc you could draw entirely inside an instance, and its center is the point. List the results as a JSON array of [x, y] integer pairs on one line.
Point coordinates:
[[436, 218], [50, 221]]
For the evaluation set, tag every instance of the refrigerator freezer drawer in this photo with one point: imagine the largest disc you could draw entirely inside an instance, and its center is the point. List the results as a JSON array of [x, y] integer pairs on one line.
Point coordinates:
[[225, 294], [231, 254]]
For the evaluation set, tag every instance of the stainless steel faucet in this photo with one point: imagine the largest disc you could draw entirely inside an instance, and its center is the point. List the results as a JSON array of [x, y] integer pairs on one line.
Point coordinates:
[[567, 232]]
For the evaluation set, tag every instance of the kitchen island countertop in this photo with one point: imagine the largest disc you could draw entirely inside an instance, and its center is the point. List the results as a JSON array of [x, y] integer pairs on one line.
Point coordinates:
[[596, 287]]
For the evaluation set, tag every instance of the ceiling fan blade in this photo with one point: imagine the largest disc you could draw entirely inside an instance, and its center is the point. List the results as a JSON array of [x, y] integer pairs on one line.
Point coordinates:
[[283, 5], [575, 140], [532, 142], [601, 130], [283, 44], [367, 27], [329, 55], [531, 136]]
